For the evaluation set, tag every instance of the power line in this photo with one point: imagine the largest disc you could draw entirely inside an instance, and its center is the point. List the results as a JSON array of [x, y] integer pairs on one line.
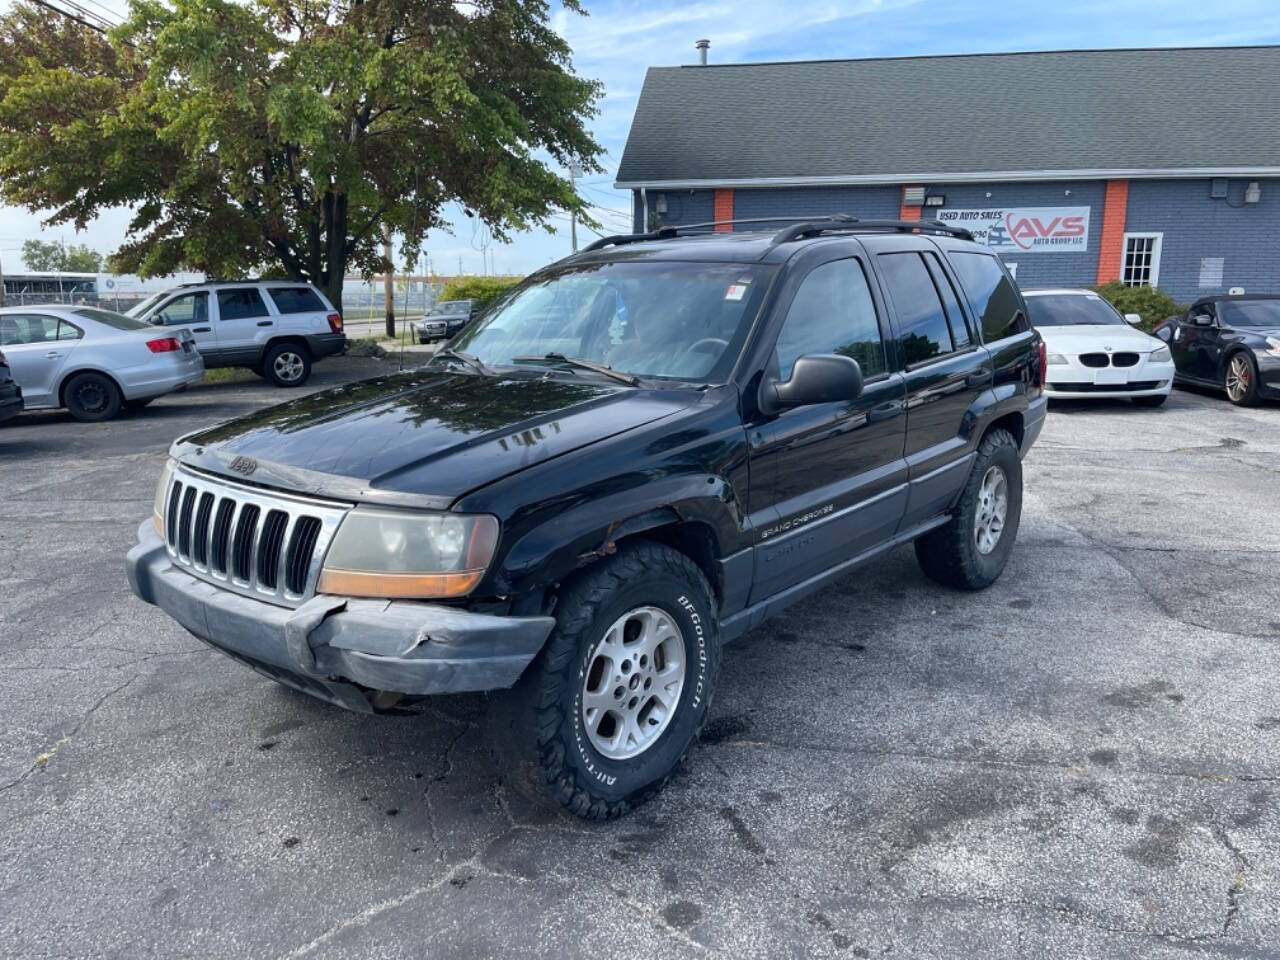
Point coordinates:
[[70, 16]]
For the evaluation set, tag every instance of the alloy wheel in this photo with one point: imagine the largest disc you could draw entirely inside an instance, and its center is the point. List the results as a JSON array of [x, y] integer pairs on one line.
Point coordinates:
[[1238, 376], [633, 683], [993, 506], [288, 366]]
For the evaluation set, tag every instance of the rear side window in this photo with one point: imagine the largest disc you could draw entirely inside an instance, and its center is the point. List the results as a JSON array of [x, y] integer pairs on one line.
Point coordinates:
[[23, 328], [296, 300], [922, 323], [244, 302], [955, 316], [990, 294]]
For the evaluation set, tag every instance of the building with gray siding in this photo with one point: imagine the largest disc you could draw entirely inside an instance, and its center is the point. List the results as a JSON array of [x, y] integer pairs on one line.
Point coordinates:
[[1079, 167]]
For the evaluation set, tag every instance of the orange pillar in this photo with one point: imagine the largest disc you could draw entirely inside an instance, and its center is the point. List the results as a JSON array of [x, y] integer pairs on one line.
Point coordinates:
[[722, 209], [1111, 247], [905, 212]]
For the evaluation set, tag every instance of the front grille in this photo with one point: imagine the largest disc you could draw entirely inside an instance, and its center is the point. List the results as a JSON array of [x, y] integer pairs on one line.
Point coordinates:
[[1124, 359], [259, 543], [1094, 359], [1133, 385]]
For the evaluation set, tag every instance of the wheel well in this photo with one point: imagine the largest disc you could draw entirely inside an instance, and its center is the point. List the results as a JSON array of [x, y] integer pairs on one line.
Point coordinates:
[[696, 541], [296, 341], [1011, 422], [62, 386]]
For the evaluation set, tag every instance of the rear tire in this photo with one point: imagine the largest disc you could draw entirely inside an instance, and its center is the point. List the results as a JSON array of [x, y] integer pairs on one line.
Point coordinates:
[[970, 551], [1150, 401], [635, 630], [92, 397], [287, 364]]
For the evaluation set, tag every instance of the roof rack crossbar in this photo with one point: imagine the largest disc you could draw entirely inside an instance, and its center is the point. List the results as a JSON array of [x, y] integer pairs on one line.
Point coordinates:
[[619, 239]]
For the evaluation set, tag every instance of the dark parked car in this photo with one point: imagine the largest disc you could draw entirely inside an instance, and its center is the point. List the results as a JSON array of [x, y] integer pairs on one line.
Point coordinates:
[[642, 453], [1228, 342], [10, 392], [445, 320]]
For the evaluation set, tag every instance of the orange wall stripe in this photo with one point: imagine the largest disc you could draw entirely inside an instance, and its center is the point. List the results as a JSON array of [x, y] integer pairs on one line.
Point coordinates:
[[722, 209], [1111, 247]]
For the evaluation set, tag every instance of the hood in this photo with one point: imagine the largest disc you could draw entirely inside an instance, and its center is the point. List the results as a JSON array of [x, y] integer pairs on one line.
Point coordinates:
[[429, 435], [1088, 337]]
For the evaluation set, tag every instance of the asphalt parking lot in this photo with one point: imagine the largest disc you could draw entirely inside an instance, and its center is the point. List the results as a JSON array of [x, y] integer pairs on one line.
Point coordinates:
[[1081, 761]]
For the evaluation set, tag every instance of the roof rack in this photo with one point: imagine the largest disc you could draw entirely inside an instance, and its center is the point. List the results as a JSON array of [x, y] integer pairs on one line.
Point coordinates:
[[800, 227], [798, 231]]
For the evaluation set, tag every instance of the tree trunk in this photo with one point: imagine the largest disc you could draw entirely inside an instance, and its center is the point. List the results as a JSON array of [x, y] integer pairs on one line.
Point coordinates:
[[335, 242], [388, 282]]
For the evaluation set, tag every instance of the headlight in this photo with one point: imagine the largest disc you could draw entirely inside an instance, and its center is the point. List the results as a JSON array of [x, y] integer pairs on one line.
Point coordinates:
[[1161, 355], [157, 509], [398, 553], [1056, 358], [1274, 344]]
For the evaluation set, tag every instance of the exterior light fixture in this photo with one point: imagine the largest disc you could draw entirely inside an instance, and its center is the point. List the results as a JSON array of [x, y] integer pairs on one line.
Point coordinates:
[[935, 200]]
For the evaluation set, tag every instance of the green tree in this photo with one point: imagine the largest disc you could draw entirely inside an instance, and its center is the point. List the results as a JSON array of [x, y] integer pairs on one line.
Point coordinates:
[[268, 132], [483, 289], [1151, 303], [40, 255]]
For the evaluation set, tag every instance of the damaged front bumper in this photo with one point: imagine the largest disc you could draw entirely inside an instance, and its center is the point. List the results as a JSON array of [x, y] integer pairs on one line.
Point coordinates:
[[356, 653]]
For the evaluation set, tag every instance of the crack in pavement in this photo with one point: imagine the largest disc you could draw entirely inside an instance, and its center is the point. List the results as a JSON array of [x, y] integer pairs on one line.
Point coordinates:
[[43, 759], [1237, 885]]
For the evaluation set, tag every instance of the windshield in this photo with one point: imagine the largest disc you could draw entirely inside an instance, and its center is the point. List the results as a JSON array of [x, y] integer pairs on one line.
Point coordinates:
[[110, 318], [1072, 310], [450, 308], [1250, 313], [682, 321], [138, 309]]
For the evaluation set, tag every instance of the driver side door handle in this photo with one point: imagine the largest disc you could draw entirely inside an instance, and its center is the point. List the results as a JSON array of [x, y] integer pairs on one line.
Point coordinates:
[[200, 329]]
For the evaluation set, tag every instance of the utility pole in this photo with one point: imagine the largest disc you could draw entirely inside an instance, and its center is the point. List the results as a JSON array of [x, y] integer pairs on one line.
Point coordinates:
[[388, 281], [575, 172]]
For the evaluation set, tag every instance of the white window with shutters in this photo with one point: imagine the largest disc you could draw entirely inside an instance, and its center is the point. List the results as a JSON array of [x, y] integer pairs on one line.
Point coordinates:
[[1140, 265]]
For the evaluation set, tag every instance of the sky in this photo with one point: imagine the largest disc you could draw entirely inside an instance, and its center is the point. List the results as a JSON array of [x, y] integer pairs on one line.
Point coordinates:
[[619, 40]]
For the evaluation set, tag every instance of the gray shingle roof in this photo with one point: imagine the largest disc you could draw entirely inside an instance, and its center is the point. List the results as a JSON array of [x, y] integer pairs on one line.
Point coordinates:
[[1116, 111]]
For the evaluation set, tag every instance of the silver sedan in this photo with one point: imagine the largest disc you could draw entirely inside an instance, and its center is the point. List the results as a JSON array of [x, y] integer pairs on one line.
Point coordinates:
[[94, 362]]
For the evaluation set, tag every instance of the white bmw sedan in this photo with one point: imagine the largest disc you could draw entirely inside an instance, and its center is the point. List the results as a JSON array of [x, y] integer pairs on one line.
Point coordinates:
[[94, 362], [1095, 352]]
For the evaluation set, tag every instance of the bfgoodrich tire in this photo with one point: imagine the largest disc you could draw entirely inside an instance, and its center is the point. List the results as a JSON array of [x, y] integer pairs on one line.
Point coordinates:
[[625, 681], [971, 550]]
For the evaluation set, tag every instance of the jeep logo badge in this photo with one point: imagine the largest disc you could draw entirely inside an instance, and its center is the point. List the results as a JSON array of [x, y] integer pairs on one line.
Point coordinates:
[[243, 465]]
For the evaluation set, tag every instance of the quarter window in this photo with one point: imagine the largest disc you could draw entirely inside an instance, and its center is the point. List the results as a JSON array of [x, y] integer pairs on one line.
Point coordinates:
[[237, 304], [1141, 264], [832, 312], [991, 295], [922, 323], [296, 300]]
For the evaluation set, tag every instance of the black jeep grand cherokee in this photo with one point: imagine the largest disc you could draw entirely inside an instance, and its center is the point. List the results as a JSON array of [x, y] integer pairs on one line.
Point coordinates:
[[642, 453]]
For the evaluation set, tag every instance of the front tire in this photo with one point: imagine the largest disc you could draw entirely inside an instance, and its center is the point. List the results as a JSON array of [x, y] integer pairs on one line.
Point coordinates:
[[92, 397], [970, 551], [287, 364], [626, 679], [1241, 379]]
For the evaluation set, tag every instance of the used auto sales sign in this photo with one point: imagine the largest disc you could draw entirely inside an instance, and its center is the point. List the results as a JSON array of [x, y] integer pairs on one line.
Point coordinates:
[[1017, 230]]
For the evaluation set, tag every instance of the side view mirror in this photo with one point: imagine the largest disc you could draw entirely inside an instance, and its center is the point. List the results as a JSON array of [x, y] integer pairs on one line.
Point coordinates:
[[1202, 320], [815, 378], [1133, 318]]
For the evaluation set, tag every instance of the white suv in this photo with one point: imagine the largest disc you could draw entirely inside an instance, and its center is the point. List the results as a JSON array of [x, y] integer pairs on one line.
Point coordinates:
[[276, 328]]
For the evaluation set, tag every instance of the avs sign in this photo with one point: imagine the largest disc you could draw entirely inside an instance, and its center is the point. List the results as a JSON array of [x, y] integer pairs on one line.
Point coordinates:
[[1018, 230]]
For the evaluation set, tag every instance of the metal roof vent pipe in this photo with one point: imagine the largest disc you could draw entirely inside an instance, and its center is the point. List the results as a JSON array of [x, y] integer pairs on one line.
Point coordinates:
[[703, 46]]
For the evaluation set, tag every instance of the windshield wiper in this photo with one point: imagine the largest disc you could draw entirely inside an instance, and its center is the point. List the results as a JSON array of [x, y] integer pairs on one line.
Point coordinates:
[[475, 363], [608, 371]]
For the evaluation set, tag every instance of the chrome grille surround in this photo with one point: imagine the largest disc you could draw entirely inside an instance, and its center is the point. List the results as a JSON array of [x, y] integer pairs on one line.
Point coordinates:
[[260, 543]]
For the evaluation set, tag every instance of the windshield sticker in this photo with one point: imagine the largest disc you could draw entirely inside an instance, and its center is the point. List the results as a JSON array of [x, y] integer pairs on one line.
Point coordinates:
[[736, 291]]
